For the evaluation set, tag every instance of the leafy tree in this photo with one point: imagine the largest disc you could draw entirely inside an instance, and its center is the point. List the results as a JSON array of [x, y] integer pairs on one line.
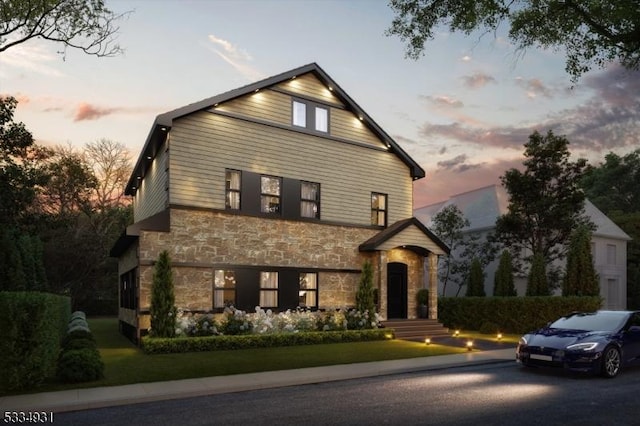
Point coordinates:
[[546, 203], [537, 284], [163, 310], [580, 278], [365, 293], [448, 224], [22, 170], [476, 280], [593, 33], [613, 187], [87, 25], [503, 284]]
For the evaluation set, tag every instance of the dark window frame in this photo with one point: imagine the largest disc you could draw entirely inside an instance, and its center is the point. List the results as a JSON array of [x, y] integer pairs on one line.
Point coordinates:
[[376, 210], [310, 115], [223, 290], [315, 201], [313, 290], [275, 290], [229, 190], [270, 195]]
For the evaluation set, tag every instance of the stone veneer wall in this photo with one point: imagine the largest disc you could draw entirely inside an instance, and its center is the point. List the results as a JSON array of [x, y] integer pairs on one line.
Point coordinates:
[[200, 241]]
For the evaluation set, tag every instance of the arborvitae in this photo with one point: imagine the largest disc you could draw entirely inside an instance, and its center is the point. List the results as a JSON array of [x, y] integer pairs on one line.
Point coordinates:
[[581, 278], [537, 284], [365, 294], [503, 285], [12, 277], [163, 311], [475, 286]]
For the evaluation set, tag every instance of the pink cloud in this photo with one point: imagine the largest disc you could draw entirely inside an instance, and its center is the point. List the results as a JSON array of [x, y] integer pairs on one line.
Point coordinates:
[[85, 111]]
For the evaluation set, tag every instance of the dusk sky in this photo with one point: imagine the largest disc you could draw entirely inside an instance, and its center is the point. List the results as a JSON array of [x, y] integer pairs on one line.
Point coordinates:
[[463, 111]]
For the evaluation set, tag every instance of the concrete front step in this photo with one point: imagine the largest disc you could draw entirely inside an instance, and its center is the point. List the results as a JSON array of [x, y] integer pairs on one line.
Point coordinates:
[[418, 329]]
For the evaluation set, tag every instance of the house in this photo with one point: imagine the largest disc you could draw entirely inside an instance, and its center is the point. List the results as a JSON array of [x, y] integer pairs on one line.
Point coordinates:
[[273, 195], [608, 245]]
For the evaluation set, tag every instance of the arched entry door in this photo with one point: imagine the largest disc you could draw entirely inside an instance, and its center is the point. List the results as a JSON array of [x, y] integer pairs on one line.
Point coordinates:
[[396, 290]]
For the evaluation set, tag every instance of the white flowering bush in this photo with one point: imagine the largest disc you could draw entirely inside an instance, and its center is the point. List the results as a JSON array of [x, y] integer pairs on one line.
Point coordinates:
[[236, 321]]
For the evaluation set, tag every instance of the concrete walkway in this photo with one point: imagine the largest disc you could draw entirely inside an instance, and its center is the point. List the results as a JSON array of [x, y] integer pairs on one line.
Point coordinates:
[[82, 399]]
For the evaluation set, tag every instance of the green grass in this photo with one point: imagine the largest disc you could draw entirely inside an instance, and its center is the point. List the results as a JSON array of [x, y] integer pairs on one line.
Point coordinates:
[[127, 364]]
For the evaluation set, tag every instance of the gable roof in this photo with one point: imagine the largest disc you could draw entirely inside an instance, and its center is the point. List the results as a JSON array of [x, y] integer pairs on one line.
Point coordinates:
[[483, 206], [163, 122], [392, 237]]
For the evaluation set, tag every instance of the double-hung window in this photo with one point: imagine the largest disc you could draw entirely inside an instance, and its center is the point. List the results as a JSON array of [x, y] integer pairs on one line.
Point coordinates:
[[310, 116], [378, 209], [308, 291], [233, 179], [224, 289], [270, 187], [268, 289], [310, 200]]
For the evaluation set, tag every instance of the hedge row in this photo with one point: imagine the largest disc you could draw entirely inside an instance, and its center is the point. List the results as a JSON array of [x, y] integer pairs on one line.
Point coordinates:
[[80, 359], [509, 314], [32, 325], [157, 345]]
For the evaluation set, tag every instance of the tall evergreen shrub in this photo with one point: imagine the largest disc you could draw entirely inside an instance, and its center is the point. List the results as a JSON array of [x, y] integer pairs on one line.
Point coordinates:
[[503, 285], [475, 285], [365, 294], [581, 278], [537, 284], [163, 310]]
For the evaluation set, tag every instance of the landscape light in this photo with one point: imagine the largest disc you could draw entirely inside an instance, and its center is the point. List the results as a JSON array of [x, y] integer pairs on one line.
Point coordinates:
[[469, 345], [499, 336], [427, 341], [456, 333]]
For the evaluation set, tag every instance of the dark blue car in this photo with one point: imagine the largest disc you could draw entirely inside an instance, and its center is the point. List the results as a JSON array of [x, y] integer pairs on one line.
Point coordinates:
[[598, 342]]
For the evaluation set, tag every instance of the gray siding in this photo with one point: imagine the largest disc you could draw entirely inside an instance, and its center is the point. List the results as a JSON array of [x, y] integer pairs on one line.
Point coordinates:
[[204, 144], [151, 196]]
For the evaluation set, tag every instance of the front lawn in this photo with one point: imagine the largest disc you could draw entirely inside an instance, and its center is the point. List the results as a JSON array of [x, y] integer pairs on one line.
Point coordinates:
[[126, 364]]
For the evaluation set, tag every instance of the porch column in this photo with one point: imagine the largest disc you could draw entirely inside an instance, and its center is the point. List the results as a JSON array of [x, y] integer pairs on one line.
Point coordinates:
[[433, 286], [382, 284]]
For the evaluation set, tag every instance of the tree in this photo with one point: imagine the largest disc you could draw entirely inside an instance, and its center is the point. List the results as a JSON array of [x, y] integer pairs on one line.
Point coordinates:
[[546, 203], [87, 25], [365, 293], [111, 164], [163, 310], [503, 285], [613, 187], [448, 225], [580, 278], [22, 170], [537, 284], [475, 288], [593, 33]]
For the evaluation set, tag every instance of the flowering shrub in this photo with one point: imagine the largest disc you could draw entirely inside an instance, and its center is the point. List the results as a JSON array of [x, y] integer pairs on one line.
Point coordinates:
[[188, 324], [237, 322]]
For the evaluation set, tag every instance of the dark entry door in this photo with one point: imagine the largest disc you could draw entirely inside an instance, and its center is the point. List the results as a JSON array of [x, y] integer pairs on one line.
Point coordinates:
[[396, 290]]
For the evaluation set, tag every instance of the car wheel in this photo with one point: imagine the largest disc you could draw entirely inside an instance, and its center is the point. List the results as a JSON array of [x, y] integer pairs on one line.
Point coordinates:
[[611, 362]]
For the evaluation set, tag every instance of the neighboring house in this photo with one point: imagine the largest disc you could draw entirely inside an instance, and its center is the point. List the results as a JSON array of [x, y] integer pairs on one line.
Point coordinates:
[[273, 195], [608, 245]]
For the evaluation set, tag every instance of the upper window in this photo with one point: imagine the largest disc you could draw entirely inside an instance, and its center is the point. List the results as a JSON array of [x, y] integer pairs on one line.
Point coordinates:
[[268, 289], [378, 209], [611, 254], [310, 200], [270, 187], [310, 116], [233, 182]]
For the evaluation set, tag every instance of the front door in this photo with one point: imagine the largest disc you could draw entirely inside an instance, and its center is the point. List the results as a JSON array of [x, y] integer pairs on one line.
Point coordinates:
[[396, 290]]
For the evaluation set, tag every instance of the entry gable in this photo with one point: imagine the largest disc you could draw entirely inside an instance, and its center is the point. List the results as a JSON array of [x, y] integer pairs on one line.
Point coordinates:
[[409, 233]]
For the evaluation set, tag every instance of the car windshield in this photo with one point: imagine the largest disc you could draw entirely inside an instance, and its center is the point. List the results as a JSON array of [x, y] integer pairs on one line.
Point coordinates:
[[596, 321]]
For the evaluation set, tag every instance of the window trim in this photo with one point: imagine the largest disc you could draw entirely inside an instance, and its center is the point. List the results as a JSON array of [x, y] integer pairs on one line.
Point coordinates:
[[313, 290], [315, 201], [265, 194], [275, 289], [222, 290], [310, 123], [376, 210], [229, 190]]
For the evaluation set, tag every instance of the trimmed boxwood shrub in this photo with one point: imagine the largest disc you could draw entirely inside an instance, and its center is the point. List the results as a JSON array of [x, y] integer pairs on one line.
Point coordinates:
[[32, 325], [157, 345], [510, 314], [80, 365], [80, 343]]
